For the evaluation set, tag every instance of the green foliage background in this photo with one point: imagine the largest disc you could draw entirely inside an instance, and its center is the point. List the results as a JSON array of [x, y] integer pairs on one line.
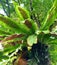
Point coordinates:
[[40, 10]]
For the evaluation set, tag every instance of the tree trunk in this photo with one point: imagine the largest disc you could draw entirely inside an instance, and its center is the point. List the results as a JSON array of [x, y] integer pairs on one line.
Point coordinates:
[[40, 54]]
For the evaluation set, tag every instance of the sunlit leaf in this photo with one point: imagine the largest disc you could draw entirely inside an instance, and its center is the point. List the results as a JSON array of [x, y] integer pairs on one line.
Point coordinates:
[[32, 39], [18, 28], [51, 16], [21, 12]]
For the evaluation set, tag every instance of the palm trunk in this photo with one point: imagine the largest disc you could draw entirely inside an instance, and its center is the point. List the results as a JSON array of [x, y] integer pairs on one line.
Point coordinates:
[[40, 54]]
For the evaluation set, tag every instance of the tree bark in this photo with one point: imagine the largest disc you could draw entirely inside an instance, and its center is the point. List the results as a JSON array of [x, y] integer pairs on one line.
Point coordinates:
[[41, 54]]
